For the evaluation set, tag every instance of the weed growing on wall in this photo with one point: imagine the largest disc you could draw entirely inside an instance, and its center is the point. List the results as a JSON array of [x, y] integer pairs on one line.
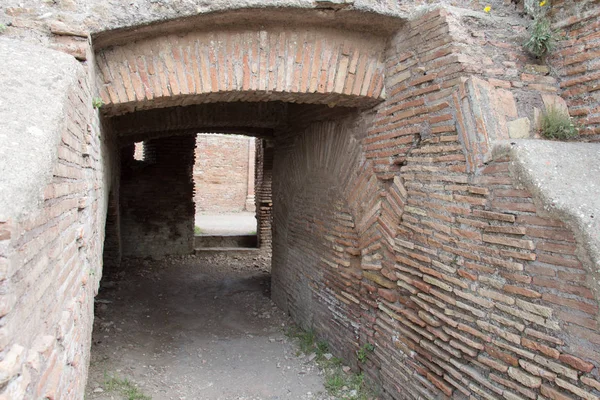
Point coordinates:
[[542, 38], [97, 102], [556, 124], [362, 353], [2, 28]]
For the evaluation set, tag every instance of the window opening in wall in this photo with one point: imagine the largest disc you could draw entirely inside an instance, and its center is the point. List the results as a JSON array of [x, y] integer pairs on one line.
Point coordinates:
[[138, 153], [224, 183]]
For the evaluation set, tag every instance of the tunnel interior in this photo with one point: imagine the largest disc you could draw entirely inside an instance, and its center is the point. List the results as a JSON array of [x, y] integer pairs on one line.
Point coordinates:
[[314, 230], [391, 220]]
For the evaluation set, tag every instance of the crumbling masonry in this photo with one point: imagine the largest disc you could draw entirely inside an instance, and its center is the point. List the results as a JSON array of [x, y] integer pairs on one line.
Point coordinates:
[[400, 181]]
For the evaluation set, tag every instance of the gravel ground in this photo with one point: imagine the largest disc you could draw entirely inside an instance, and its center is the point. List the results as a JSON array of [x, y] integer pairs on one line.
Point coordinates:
[[196, 327]]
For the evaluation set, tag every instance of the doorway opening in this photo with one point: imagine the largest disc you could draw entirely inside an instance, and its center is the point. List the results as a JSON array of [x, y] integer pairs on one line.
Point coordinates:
[[224, 176]]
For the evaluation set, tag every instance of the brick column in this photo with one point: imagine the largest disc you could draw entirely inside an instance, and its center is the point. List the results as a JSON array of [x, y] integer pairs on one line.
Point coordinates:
[[264, 202], [250, 198]]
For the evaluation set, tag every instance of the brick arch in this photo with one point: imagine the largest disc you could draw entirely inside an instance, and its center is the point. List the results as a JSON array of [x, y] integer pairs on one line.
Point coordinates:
[[295, 64]]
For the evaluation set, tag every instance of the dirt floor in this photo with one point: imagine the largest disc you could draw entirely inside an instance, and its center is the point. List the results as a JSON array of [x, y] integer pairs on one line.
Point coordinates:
[[196, 327]]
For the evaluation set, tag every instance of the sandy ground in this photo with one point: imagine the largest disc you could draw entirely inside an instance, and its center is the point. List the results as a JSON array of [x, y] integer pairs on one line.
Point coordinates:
[[197, 327], [242, 223]]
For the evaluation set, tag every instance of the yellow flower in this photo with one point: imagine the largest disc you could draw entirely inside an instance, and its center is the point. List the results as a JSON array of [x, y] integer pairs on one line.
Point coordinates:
[[542, 3], [487, 9]]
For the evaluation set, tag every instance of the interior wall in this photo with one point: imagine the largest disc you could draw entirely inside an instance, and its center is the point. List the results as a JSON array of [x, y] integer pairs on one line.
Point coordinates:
[[264, 192], [156, 198], [222, 172]]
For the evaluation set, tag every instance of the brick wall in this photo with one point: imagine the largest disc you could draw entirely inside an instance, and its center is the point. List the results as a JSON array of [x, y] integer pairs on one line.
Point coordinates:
[[156, 198], [464, 284], [51, 253], [221, 172], [264, 192], [396, 225], [576, 61]]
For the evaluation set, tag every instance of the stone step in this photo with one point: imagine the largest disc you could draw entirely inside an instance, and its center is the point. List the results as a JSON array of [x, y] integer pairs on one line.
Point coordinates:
[[235, 250], [225, 241]]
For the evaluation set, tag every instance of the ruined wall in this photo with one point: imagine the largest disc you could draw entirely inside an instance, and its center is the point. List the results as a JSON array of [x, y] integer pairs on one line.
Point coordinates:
[[468, 287], [221, 173], [156, 198], [576, 61], [51, 239], [397, 226]]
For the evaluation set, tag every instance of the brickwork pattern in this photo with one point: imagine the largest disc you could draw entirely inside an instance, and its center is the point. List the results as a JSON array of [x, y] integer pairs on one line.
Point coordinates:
[[465, 288], [51, 264], [264, 193], [577, 62], [221, 173], [309, 66], [394, 225]]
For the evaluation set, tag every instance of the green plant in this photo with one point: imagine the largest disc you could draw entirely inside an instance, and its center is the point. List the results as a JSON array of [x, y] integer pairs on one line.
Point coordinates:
[[97, 102], [556, 124], [197, 230], [2, 28], [322, 348], [362, 352], [125, 387], [542, 38], [339, 381], [335, 382]]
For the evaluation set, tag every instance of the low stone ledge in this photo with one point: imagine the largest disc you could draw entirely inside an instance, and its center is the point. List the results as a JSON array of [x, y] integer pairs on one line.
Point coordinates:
[[565, 178]]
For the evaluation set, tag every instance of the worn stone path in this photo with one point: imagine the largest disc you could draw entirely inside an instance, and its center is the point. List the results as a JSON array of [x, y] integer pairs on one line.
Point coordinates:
[[195, 327]]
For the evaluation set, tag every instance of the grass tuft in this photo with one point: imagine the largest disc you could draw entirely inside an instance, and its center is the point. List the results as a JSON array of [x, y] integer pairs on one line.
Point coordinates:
[[197, 230], [347, 386], [542, 38], [124, 387], [556, 124]]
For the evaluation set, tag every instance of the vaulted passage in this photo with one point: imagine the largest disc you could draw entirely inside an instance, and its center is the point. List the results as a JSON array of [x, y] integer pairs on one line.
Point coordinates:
[[407, 211]]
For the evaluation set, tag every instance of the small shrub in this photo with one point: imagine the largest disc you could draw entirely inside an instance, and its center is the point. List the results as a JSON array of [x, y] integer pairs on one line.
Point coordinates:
[[556, 124], [97, 102], [542, 38]]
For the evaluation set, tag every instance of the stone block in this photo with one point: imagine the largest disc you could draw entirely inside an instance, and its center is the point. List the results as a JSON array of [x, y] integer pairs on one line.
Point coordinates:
[[519, 128]]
